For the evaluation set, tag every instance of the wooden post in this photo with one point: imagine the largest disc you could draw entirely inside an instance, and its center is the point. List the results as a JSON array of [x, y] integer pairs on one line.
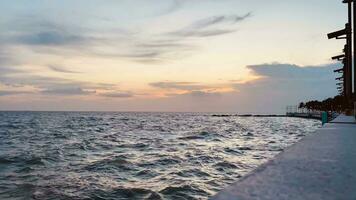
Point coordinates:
[[349, 69], [348, 76], [354, 53]]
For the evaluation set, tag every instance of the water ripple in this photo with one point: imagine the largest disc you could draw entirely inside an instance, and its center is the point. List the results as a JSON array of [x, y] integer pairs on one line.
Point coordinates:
[[78, 155]]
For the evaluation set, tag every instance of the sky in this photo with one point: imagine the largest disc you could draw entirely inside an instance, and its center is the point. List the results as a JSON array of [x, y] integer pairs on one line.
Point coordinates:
[[246, 56]]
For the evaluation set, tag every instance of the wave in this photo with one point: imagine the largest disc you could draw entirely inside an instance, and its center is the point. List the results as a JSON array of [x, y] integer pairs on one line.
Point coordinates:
[[200, 136], [133, 155], [25, 160], [183, 192], [192, 172], [35, 161], [125, 193], [168, 161], [119, 162], [233, 151], [146, 173], [134, 145], [6, 160], [225, 165]]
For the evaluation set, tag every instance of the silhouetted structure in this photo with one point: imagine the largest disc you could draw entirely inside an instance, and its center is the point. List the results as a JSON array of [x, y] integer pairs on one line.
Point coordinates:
[[346, 84]]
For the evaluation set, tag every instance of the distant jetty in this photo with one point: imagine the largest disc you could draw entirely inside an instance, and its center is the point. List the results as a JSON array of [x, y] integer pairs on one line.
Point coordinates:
[[306, 115], [248, 115]]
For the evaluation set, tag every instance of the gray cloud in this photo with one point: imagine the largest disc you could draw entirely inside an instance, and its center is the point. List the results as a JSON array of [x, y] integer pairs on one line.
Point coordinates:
[[174, 44], [167, 44], [286, 84], [14, 75], [117, 94], [67, 91], [203, 33], [56, 86], [189, 89], [49, 38], [152, 54], [57, 68], [10, 93], [32, 24], [149, 56], [26, 79], [160, 50], [51, 85], [4, 57], [215, 20], [195, 94], [279, 85], [35, 30], [288, 71], [4, 70], [178, 85], [203, 28], [8, 58], [176, 5], [203, 94]]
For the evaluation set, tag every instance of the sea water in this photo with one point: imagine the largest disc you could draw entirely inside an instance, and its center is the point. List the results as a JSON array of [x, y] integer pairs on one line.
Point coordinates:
[[93, 155]]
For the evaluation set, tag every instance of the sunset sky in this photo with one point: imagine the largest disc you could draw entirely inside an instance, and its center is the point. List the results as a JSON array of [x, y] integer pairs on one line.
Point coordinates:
[[167, 55]]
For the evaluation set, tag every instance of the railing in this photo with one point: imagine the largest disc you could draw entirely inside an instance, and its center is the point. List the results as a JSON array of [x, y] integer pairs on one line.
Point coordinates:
[[295, 111]]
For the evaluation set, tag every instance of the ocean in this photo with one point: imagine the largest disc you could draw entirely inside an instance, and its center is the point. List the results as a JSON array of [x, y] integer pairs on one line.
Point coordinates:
[[109, 156]]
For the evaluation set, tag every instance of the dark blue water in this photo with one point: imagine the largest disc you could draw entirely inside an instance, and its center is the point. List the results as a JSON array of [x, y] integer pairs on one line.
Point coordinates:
[[69, 155]]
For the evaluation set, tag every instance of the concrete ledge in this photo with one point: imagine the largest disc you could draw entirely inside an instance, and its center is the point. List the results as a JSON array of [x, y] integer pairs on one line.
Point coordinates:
[[321, 166]]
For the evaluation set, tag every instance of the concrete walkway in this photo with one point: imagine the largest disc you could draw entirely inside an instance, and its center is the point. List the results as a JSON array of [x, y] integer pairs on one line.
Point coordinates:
[[344, 119], [321, 166]]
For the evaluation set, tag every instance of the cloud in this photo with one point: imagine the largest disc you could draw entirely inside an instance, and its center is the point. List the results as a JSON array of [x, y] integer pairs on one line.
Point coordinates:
[[176, 5], [192, 89], [45, 36], [8, 58], [178, 85], [175, 44], [49, 38], [50, 85], [287, 76], [280, 85], [4, 70], [67, 91], [203, 33], [165, 45], [118, 94], [215, 20], [10, 93], [151, 54], [160, 50], [28, 79], [37, 30], [4, 56], [57, 68], [203, 94], [290, 71], [207, 27]]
